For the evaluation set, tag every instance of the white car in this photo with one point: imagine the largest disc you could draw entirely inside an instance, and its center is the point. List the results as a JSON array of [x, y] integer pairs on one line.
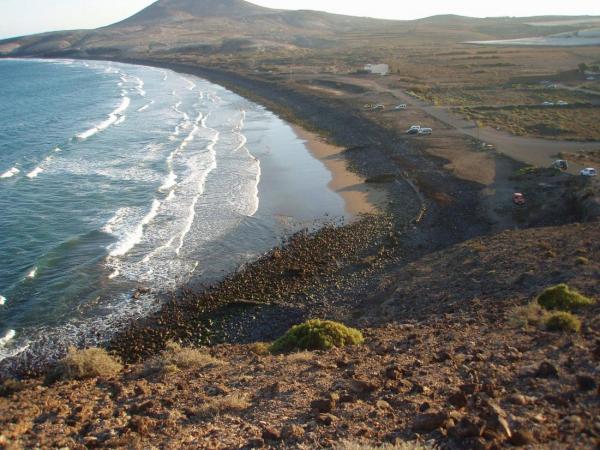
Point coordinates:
[[589, 172], [425, 131], [400, 107], [548, 104], [562, 103]]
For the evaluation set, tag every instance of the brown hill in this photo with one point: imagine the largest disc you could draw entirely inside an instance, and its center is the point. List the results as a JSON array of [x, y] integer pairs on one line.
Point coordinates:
[[237, 27], [174, 10], [450, 367]]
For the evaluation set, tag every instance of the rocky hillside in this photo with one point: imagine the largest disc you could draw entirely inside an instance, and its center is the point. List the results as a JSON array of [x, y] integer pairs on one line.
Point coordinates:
[[449, 359], [237, 27]]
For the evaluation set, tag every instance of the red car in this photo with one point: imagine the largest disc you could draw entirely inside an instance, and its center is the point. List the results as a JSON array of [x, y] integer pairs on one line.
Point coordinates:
[[518, 198]]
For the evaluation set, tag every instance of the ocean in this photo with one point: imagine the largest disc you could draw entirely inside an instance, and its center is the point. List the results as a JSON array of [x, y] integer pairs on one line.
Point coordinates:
[[115, 177]]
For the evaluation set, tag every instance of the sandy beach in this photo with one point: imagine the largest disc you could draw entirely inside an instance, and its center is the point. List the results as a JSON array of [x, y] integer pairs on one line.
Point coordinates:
[[360, 198]]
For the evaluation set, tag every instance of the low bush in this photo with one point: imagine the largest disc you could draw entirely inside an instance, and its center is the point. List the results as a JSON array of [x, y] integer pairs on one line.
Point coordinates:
[[10, 387], [352, 445], [582, 261], [563, 321], [561, 297], [260, 348], [229, 404], [84, 364], [317, 335], [531, 314], [175, 357]]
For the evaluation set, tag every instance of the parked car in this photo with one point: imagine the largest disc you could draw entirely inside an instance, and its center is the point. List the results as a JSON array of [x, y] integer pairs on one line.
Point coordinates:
[[548, 104], [425, 131], [589, 172], [560, 164], [518, 199], [400, 107], [562, 103], [413, 129]]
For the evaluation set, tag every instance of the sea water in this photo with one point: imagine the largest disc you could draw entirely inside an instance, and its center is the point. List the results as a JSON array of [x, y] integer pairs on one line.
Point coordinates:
[[115, 176]]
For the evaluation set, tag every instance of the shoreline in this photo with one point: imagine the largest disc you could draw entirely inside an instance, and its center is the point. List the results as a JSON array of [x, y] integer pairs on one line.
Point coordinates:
[[320, 274], [359, 198], [298, 145]]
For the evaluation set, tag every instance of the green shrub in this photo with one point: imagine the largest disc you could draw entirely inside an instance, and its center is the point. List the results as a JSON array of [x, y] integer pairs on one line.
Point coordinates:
[[563, 321], [317, 335], [83, 364], [561, 297]]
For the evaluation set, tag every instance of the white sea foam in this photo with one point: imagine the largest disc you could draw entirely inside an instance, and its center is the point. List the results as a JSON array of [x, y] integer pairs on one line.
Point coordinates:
[[113, 117], [2, 300], [140, 86], [131, 239], [32, 273], [170, 181], [10, 173], [192, 211], [252, 208], [115, 220], [171, 178], [35, 172], [114, 274], [191, 84], [9, 336], [145, 107], [58, 149], [238, 130]]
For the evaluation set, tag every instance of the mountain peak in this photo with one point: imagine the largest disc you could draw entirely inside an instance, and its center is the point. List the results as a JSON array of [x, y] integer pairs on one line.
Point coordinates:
[[187, 9]]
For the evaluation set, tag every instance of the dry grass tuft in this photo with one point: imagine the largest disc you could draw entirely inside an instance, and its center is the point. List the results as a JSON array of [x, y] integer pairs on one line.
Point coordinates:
[[352, 445], [230, 404], [175, 358], [300, 357], [260, 348], [84, 364], [10, 387], [531, 314]]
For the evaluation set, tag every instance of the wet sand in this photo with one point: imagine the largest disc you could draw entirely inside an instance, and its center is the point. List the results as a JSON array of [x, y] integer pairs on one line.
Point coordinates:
[[359, 197]]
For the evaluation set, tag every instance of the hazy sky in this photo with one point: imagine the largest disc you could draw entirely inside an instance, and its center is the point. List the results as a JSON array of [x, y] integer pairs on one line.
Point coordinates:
[[19, 17]]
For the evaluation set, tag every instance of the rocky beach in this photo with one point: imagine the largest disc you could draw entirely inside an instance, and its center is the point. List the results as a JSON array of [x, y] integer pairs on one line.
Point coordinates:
[[442, 315]]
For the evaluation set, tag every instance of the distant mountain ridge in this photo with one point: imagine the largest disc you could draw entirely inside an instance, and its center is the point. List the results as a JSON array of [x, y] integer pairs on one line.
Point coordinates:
[[205, 28], [189, 9]]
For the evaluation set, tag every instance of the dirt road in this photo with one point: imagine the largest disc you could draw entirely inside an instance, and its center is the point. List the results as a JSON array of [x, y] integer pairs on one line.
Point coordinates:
[[531, 151]]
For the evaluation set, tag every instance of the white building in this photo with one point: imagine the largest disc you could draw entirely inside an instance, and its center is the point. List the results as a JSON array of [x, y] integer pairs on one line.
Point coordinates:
[[380, 69]]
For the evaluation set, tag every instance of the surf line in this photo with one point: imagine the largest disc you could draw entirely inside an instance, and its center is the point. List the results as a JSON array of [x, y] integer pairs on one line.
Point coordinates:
[[113, 117]]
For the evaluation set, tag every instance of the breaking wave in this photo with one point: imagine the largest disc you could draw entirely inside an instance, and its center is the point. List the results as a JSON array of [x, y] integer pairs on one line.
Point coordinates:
[[10, 173], [113, 118]]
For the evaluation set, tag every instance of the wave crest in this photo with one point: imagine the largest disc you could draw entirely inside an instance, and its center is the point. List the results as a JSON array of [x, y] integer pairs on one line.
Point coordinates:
[[10, 173]]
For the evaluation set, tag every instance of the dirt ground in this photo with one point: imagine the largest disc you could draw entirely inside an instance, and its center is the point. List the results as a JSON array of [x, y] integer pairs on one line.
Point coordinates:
[[444, 362]]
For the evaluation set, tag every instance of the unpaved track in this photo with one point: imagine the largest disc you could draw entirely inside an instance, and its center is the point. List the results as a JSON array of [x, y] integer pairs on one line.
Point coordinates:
[[531, 151]]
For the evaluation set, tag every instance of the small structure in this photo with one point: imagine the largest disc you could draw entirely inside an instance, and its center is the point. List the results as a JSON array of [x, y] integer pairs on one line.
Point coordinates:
[[378, 69]]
